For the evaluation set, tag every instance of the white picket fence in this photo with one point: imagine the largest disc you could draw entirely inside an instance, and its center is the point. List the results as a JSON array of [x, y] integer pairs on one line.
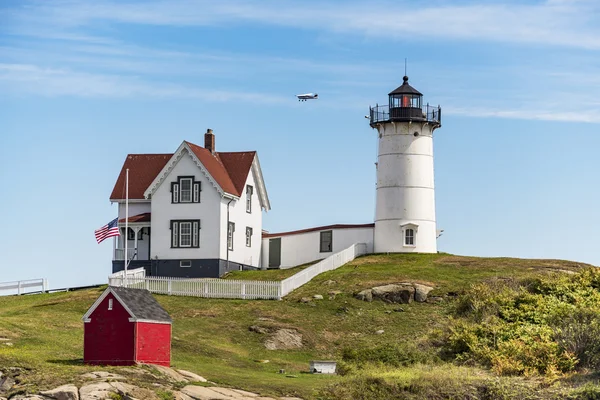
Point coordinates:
[[234, 289], [24, 287]]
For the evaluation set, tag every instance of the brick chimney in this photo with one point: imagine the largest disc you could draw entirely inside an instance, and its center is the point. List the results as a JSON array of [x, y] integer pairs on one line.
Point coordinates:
[[209, 141]]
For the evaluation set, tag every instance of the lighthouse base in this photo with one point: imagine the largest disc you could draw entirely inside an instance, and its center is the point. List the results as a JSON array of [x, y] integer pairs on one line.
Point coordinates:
[[402, 236]]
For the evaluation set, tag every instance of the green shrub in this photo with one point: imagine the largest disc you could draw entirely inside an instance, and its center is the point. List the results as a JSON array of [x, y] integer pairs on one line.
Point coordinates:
[[543, 326], [587, 392], [394, 355]]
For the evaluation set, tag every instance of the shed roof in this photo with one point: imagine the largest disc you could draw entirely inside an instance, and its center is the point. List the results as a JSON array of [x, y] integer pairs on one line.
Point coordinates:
[[141, 304]]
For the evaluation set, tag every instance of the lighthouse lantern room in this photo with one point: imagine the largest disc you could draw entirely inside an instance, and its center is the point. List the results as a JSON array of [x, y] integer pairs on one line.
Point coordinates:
[[405, 197]]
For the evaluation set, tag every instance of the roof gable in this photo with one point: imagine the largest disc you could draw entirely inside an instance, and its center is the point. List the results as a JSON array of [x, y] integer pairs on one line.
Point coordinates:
[[227, 172], [215, 168], [139, 303]]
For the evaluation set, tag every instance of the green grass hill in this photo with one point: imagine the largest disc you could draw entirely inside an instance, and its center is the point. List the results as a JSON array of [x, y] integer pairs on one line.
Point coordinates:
[[502, 328]]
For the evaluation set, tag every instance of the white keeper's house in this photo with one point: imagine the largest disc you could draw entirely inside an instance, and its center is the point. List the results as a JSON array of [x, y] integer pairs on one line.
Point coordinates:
[[198, 212]]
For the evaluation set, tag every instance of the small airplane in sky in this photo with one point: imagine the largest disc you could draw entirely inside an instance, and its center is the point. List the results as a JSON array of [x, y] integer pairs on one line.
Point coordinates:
[[307, 96]]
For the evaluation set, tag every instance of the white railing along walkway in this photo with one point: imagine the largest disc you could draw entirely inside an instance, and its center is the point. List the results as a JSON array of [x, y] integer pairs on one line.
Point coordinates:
[[234, 289], [22, 287], [330, 263]]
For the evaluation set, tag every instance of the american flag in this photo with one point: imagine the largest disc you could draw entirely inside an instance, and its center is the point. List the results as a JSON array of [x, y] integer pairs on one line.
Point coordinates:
[[108, 230]]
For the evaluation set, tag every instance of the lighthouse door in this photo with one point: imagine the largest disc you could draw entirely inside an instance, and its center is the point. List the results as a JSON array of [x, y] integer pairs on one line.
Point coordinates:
[[274, 253]]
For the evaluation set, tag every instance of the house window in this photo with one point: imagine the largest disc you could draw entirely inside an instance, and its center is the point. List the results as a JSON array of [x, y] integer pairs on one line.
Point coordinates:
[[185, 263], [185, 190], [110, 304], [131, 234], [248, 236], [230, 230], [185, 233], [409, 237], [249, 191], [326, 241]]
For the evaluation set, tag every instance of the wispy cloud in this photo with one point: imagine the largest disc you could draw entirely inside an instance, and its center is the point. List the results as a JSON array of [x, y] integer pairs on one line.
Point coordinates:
[[73, 48], [530, 113], [22, 78], [554, 22]]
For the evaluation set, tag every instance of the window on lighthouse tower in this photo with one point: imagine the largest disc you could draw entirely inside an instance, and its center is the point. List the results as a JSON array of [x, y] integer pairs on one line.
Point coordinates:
[[409, 237]]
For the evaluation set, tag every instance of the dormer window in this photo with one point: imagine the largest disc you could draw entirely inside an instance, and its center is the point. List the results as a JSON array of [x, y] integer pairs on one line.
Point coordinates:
[[185, 190], [249, 191]]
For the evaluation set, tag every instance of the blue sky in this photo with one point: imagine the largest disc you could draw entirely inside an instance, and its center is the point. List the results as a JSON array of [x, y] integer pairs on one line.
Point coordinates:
[[83, 83]]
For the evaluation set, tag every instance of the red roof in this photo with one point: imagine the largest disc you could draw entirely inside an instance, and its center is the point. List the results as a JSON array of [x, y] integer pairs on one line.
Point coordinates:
[[318, 228], [145, 217], [143, 168], [229, 170], [238, 165]]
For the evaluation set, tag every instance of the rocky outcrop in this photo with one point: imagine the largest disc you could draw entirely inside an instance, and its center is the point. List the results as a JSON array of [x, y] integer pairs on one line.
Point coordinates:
[[284, 339], [421, 292], [103, 385], [396, 293], [65, 392], [191, 376], [365, 295], [402, 293]]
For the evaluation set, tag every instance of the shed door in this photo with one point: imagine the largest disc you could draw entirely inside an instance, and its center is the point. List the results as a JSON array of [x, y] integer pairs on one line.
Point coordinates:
[[274, 253]]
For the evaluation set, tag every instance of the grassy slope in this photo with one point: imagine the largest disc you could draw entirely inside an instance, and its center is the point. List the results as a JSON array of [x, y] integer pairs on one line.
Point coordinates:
[[211, 336]]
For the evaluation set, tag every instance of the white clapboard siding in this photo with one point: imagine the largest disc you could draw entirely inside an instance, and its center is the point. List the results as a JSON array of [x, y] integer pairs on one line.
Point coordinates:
[[234, 289]]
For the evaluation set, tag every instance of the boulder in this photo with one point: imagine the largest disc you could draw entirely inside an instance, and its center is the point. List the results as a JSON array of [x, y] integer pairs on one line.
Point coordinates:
[[65, 392], [395, 293], [245, 393], [421, 292], [170, 373], [284, 339], [305, 300], [318, 297], [6, 383], [128, 391], [96, 391], [203, 393], [27, 397], [379, 332], [365, 295], [191, 376]]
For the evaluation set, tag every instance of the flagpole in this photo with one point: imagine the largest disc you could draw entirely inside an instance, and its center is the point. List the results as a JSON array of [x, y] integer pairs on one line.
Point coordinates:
[[126, 221]]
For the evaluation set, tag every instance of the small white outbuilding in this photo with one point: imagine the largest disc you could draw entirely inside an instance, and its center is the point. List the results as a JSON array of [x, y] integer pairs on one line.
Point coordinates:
[[322, 367]]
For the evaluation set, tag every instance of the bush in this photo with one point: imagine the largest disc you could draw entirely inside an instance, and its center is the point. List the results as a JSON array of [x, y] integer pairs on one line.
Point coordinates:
[[579, 334], [586, 392], [538, 327], [394, 355]]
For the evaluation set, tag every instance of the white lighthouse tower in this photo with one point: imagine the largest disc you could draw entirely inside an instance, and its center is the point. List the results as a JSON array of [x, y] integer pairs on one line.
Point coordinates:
[[405, 204]]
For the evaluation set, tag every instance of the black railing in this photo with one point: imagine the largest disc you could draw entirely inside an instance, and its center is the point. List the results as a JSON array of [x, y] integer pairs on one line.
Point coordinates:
[[385, 114]]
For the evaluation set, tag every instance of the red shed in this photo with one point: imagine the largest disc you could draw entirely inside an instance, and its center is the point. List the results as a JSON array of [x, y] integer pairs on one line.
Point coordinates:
[[125, 326]]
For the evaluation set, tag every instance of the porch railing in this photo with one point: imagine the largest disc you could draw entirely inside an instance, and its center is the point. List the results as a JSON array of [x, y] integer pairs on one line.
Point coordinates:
[[120, 254]]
